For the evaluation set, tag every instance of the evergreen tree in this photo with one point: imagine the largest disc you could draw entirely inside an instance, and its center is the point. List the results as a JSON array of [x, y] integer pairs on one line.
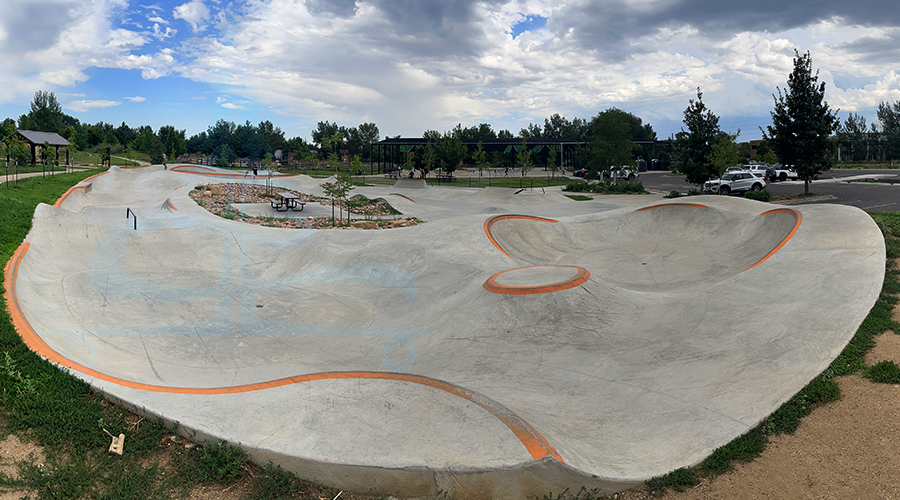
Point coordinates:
[[802, 122], [694, 146]]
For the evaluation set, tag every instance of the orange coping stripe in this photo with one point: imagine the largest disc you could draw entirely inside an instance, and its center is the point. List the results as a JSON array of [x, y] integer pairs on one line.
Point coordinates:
[[214, 173], [536, 444], [695, 205], [95, 175], [798, 218], [490, 222], [179, 187], [192, 166], [580, 278], [404, 196], [66, 195]]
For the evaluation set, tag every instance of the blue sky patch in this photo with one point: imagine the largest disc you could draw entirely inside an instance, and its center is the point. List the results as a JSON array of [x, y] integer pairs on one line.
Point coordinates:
[[532, 23]]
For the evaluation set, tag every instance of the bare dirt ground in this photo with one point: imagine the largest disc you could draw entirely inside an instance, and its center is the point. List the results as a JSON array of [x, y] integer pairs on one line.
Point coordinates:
[[846, 449]]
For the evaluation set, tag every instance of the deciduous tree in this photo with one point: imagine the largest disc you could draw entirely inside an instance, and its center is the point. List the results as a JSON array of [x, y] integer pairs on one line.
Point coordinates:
[[695, 144], [802, 122]]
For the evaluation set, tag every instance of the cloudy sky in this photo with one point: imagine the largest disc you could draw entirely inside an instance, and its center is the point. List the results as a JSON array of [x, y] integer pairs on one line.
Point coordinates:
[[412, 65]]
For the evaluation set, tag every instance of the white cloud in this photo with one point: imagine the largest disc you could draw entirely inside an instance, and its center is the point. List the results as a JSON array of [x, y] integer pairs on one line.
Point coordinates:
[[157, 19], [195, 13], [232, 106], [83, 105], [136, 99], [162, 35]]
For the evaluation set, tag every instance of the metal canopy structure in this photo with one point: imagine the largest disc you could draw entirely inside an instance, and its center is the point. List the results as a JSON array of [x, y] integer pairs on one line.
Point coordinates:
[[391, 152], [37, 139]]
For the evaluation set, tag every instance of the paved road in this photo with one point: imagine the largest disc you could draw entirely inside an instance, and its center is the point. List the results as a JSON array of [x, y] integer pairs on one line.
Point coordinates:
[[846, 185]]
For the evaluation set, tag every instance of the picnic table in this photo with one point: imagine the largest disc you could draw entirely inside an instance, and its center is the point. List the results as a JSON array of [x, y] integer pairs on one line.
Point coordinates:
[[286, 201]]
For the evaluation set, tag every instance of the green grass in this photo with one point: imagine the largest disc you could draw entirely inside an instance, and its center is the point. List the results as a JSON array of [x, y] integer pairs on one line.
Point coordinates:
[[578, 197], [94, 158]]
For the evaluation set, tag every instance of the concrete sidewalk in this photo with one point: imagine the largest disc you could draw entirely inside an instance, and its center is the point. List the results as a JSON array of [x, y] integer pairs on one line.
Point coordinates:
[[515, 345]]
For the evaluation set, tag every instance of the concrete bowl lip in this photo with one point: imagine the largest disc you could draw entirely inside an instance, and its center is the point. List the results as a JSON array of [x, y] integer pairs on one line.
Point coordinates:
[[542, 454], [580, 276]]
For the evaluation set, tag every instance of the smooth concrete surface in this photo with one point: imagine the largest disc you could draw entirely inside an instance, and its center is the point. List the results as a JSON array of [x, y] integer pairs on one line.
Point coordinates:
[[514, 345]]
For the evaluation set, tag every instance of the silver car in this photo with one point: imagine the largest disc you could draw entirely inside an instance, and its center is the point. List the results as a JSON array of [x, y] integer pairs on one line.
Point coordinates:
[[735, 182]]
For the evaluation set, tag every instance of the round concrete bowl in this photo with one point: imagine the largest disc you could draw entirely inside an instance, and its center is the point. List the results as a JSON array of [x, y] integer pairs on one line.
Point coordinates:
[[657, 248], [485, 356]]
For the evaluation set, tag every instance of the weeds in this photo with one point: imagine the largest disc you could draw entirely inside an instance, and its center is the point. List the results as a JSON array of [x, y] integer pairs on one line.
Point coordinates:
[[763, 195], [885, 372], [214, 463], [606, 187]]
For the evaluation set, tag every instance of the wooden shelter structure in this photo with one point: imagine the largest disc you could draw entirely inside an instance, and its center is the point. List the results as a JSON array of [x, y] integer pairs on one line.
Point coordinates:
[[37, 139]]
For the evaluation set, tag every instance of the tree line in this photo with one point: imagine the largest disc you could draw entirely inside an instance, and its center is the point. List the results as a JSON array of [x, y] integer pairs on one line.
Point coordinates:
[[803, 132]]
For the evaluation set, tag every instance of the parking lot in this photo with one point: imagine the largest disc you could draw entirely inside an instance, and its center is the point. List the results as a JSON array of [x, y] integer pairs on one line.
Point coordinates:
[[847, 186]]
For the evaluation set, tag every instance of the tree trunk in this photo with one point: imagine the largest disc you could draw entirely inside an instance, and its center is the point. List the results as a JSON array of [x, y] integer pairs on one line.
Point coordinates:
[[806, 186]]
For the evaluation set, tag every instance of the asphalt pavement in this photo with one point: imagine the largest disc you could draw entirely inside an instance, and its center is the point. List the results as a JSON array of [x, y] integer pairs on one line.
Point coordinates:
[[849, 187]]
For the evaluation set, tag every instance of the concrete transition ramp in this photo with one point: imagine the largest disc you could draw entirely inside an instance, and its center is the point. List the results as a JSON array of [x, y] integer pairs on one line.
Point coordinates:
[[484, 354]]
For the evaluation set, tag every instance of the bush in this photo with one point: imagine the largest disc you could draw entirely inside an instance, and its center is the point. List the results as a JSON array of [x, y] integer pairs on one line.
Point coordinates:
[[672, 194], [763, 195], [606, 187], [885, 372], [215, 463]]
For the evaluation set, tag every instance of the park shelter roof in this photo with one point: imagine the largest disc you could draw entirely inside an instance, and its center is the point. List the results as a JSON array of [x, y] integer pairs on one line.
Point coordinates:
[[39, 138]]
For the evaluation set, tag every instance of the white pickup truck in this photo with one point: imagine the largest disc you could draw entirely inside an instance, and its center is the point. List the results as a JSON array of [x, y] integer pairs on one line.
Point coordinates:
[[779, 172]]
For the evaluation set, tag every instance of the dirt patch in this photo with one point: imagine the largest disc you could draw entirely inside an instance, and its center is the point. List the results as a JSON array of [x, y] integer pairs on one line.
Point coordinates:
[[12, 451], [846, 449]]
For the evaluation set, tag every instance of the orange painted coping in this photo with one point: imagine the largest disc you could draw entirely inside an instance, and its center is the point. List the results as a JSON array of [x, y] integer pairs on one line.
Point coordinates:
[[580, 278], [217, 174], [95, 175], [490, 222], [192, 166], [536, 444], [798, 218], [65, 195], [170, 204], [179, 187], [407, 197], [694, 205]]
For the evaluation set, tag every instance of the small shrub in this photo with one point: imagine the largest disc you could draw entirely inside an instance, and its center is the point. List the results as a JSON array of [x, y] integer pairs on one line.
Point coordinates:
[[578, 187], [885, 372], [678, 480], [694, 192], [214, 463], [673, 194], [744, 449], [763, 195], [274, 484]]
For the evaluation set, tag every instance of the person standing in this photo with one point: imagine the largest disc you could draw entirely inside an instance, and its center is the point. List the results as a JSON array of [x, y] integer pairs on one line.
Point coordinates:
[[165, 167]]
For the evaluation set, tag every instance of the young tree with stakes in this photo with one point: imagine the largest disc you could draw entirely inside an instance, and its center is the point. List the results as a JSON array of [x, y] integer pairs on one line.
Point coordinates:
[[802, 123]]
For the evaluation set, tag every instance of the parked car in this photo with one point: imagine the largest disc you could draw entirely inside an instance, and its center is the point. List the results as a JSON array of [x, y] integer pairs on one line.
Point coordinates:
[[735, 182], [734, 169], [621, 172], [757, 167], [782, 173]]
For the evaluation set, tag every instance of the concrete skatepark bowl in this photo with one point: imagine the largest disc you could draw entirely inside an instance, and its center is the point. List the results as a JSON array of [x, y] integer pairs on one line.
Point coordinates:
[[513, 346]]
